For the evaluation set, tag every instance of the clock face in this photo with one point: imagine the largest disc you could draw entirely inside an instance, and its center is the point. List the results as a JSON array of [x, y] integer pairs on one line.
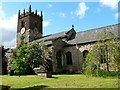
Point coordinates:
[[23, 30]]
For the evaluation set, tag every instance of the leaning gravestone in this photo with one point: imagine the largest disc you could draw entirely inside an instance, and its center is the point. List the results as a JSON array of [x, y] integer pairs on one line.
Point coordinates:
[[42, 72]]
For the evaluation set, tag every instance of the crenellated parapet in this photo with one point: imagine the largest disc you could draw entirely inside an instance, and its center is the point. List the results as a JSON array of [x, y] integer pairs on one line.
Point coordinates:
[[29, 12]]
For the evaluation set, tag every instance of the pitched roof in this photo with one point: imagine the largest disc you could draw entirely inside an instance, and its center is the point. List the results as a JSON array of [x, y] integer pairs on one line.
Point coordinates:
[[53, 36], [92, 35], [48, 39], [82, 37]]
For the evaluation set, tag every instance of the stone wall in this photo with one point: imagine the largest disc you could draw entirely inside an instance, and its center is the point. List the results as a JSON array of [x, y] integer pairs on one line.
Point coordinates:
[[57, 46], [77, 57]]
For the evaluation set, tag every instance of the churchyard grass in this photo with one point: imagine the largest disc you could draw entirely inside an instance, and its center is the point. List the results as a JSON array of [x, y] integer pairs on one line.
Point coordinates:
[[59, 81]]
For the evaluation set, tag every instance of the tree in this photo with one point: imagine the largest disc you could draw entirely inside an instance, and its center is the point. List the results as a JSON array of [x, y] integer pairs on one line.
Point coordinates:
[[17, 62], [91, 63], [39, 55], [36, 54], [105, 51], [27, 57], [48, 60], [115, 52], [11, 62]]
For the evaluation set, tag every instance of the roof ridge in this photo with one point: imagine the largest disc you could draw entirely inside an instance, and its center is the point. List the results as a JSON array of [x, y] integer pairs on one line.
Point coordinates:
[[54, 33], [98, 28]]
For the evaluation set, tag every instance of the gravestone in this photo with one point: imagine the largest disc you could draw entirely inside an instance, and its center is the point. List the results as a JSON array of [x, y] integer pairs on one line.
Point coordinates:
[[42, 72]]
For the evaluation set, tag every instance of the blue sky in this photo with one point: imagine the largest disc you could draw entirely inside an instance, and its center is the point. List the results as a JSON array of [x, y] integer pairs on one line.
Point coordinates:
[[59, 16]]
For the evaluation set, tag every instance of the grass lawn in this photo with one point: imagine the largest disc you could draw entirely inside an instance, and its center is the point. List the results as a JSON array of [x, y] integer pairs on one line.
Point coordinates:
[[59, 81]]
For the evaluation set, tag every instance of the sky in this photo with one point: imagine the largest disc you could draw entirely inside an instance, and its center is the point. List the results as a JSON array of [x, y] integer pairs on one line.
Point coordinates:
[[58, 17]]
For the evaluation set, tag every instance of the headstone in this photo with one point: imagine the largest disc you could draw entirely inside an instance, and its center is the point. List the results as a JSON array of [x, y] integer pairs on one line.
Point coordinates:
[[42, 72]]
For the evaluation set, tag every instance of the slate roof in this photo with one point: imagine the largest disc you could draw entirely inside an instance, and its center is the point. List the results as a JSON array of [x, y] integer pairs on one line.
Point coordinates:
[[81, 37], [53, 36], [48, 39], [92, 35]]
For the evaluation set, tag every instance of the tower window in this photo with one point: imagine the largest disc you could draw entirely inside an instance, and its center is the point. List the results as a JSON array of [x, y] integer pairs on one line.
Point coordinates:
[[35, 24], [69, 58], [22, 24]]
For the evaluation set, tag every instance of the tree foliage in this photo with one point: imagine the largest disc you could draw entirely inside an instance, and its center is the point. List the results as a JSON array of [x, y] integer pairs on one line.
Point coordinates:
[[105, 52], [17, 62], [26, 57], [36, 53], [39, 54]]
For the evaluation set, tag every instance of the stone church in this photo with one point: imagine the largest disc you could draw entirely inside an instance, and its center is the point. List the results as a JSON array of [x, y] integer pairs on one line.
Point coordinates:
[[69, 48]]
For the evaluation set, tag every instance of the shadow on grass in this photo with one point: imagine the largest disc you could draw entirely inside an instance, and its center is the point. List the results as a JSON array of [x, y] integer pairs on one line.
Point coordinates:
[[67, 74], [54, 77], [41, 87], [4, 87]]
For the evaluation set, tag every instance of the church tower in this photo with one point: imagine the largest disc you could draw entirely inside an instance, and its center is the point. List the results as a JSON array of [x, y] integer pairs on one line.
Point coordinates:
[[29, 26]]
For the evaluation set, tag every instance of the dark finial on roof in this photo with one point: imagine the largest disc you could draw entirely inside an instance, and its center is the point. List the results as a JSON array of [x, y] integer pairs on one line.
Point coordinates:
[[41, 16], [36, 12], [24, 11], [30, 9], [41, 13], [72, 26], [19, 13]]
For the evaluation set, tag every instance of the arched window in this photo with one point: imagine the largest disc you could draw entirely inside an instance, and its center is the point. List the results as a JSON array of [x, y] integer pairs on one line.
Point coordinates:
[[59, 59], [22, 24], [85, 53], [69, 58], [35, 24]]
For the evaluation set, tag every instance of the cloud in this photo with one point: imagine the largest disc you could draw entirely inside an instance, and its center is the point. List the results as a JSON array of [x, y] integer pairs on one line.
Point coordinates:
[[82, 8], [10, 22], [62, 15], [2, 13], [46, 23], [11, 43], [49, 5], [8, 35], [8, 27], [112, 4], [117, 16]]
